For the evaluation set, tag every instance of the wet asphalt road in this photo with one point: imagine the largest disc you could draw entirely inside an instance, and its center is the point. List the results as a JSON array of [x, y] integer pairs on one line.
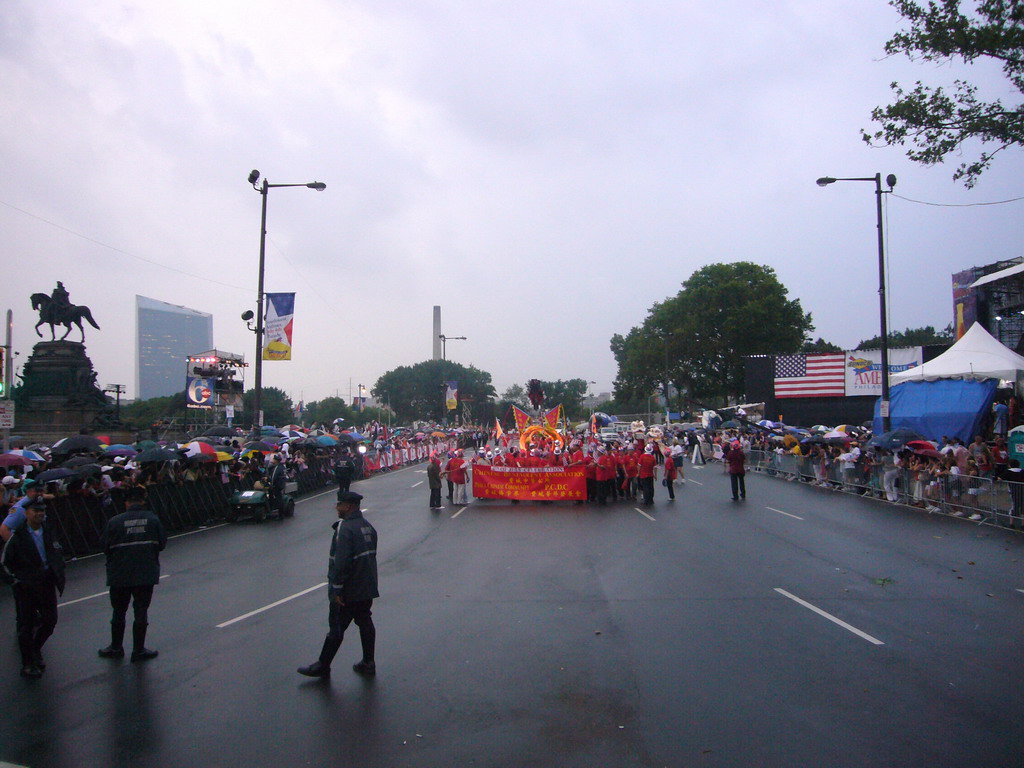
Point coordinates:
[[556, 635]]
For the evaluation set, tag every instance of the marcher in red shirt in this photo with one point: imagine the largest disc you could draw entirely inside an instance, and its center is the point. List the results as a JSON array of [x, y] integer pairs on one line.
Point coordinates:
[[670, 476], [647, 469], [605, 476], [457, 472], [631, 468], [735, 462]]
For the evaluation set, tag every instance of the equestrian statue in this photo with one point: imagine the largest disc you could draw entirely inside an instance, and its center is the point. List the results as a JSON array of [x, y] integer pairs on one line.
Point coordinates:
[[57, 309]]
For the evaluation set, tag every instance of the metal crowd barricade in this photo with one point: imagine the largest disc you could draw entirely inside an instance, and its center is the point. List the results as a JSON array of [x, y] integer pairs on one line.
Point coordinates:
[[983, 499]]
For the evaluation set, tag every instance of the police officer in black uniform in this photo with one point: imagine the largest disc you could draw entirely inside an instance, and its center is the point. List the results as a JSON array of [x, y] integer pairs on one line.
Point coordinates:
[[34, 561], [132, 542], [352, 586], [344, 470]]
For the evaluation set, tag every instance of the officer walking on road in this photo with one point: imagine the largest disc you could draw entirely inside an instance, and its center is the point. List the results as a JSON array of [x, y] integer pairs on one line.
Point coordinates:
[[352, 586], [33, 558], [132, 542], [344, 470]]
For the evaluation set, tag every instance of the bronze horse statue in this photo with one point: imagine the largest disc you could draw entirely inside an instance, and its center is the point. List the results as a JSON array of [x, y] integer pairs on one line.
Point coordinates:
[[53, 315]]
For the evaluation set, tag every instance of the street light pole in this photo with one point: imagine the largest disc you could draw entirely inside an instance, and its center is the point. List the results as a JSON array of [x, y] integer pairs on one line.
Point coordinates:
[[319, 186], [883, 320], [444, 344]]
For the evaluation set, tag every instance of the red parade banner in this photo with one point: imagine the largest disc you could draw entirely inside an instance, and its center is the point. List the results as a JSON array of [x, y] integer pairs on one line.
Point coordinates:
[[529, 483]]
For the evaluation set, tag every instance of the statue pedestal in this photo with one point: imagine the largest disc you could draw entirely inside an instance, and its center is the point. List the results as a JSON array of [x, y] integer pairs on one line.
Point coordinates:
[[58, 395]]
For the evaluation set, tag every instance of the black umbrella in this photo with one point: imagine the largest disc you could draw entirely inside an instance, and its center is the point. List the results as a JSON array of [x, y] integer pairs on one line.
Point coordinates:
[[86, 470], [896, 439], [345, 437], [78, 461], [77, 443], [54, 474], [259, 445], [156, 454], [221, 432]]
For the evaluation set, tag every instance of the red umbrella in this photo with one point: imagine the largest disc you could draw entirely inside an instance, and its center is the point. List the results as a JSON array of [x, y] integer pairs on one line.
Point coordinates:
[[195, 448], [931, 453], [924, 445], [10, 460]]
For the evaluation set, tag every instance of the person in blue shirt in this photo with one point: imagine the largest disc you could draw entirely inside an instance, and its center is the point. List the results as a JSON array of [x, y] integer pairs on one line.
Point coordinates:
[[16, 517], [34, 561]]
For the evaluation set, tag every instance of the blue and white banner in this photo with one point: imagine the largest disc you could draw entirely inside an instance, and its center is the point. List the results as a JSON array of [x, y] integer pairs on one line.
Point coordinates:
[[198, 392], [277, 338]]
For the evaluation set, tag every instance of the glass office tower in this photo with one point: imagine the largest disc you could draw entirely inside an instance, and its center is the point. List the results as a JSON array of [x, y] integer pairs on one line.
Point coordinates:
[[165, 335]]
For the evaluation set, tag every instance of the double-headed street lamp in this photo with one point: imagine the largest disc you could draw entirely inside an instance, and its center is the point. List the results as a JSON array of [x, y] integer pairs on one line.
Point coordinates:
[[254, 177], [824, 181]]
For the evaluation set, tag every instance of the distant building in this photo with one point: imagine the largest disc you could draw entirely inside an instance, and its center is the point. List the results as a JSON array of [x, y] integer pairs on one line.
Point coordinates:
[[165, 335], [992, 295]]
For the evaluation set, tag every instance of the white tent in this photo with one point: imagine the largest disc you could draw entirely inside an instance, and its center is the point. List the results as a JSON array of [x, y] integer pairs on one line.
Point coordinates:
[[977, 355]]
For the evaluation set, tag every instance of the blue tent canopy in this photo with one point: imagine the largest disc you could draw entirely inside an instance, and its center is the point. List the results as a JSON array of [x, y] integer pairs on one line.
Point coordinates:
[[950, 407]]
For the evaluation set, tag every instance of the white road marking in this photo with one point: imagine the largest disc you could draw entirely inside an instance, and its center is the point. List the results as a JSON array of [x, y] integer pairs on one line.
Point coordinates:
[[11, 765], [773, 509], [1020, 590], [272, 605], [197, 530], [90, 597], [693, 481], [830, 617], [460, 511], [415, 484], [645, 514]]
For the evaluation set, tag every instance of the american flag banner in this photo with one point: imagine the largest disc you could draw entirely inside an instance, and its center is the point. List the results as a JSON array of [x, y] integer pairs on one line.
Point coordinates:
[[810, 375]]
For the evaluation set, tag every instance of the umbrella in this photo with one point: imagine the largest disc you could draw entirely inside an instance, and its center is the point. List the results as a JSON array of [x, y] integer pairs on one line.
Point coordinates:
[[269, 431], [196, 448], [78, 461], [766, 423], [931, 453], [10, 460], [54, 474], [731, 424], [156, 454], [296, 427], [125, 452], [848, 428], [292, 433], [77, 443], [836, 433], [220, 432], [144, 445], [921, 445], [819, 428], [26, 454], [896, 439], [355, 434], [438, 433], [221, 456], [327, 440], [259, 445], [84, 470], [346, 438], [105, 439]]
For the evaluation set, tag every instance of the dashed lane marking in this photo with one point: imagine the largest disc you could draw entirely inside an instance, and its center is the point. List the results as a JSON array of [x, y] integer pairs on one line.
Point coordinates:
[[830, 617], [773, 509], [283, 600], [415, 484], [694, 482], [89, 597], [460, 511], [645, 514]]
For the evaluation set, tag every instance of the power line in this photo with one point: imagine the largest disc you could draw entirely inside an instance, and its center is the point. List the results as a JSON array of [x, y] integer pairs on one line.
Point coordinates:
[[122, 251], [956, 205]]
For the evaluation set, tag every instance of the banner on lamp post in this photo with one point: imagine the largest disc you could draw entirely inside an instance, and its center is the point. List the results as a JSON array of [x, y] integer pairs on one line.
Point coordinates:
[[451, 395], [277, 340]]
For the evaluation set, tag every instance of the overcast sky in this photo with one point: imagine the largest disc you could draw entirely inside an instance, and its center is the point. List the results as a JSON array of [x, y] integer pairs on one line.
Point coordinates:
[[545, 171]]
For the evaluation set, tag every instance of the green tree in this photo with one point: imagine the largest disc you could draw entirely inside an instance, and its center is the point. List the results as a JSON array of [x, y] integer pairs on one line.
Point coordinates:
[[568, 393], [515, 394], [697, 339], [417, 391], [143, 413], [912, 337], [936, 122], [819, 345], [277, 406], [327, 410]]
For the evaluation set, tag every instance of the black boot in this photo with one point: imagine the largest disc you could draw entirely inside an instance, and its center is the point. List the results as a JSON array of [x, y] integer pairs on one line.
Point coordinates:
[[139, 650], [322, 666], [116, 648]]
